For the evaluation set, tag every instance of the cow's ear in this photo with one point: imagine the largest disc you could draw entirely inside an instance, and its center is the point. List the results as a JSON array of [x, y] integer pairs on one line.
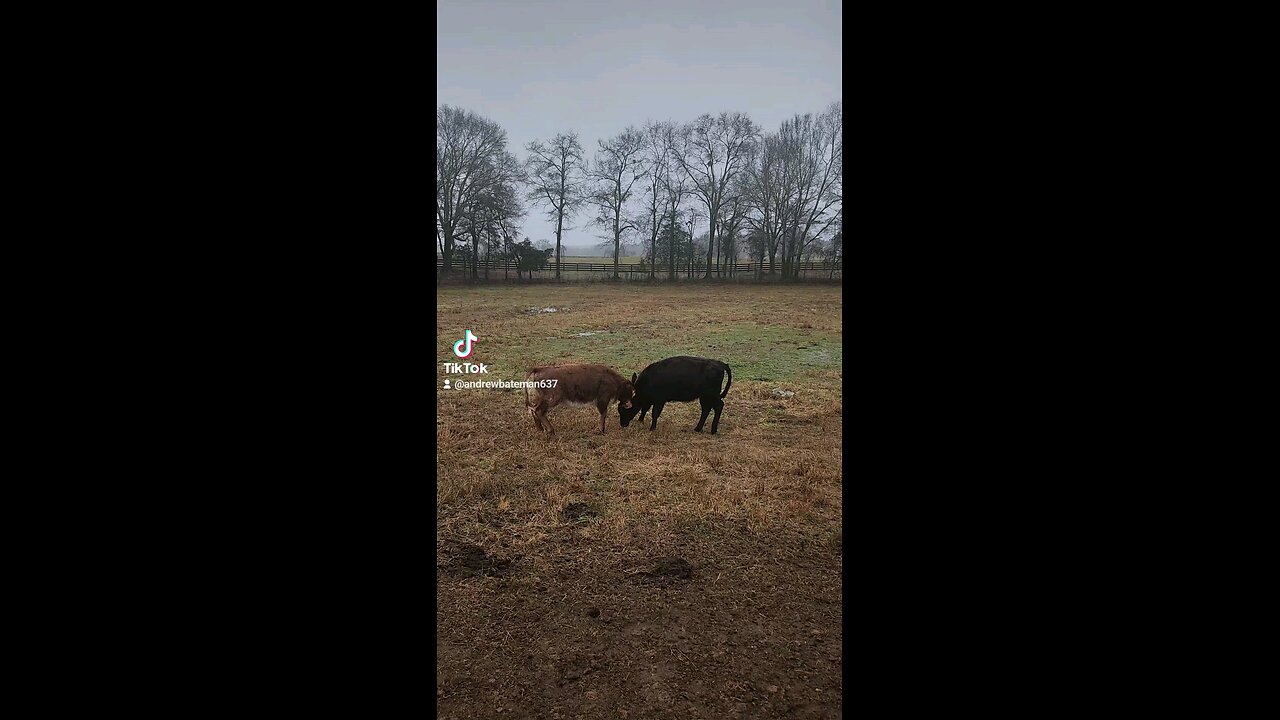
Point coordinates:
[[633, 378]]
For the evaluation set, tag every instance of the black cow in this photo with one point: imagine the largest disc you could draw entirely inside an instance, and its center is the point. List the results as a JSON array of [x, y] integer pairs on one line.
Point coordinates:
[[679, 379]]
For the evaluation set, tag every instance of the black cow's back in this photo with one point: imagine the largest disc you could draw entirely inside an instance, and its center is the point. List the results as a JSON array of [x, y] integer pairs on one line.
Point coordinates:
[[681, 379]]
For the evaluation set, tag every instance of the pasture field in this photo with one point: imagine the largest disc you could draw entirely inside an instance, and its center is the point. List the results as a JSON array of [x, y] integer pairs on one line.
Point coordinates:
[[622, 259], [666, 574]]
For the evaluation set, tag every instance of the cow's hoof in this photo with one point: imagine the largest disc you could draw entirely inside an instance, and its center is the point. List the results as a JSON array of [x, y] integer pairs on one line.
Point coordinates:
[[698, 430]]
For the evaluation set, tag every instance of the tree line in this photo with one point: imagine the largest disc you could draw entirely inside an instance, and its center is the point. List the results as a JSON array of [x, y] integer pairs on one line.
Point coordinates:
[[774, 195]]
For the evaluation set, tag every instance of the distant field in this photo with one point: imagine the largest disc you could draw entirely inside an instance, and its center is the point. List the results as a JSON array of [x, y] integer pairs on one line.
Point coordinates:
[[553, 599], [628, 259]]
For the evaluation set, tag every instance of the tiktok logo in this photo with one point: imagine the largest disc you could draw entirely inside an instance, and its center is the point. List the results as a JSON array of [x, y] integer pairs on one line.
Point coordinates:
[[466, 340]]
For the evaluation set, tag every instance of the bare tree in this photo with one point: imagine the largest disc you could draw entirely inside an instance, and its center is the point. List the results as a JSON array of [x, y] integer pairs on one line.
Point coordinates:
[[768, 189], [757, 244], [468, 164], [508, 252], [792, 136], [674, 182], [835, 250], [618, 167], [734, 217], [693, 218], [510, 238], [814, 149], [497, 201], [644, 233], [555, 175], [499, 210], [713, 151], [656, 158]]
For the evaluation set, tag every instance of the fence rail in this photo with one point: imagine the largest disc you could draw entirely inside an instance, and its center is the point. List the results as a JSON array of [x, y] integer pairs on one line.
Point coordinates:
[[637, 268]]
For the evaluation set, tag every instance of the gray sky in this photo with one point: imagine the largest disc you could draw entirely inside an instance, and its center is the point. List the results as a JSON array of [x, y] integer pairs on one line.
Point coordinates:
[[538, 68]]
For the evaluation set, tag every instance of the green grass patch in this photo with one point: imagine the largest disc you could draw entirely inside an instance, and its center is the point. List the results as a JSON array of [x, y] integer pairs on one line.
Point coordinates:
[[756, 352]]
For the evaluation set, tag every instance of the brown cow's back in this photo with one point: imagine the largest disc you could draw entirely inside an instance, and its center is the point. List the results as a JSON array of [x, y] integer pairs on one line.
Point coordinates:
[[578, 383]]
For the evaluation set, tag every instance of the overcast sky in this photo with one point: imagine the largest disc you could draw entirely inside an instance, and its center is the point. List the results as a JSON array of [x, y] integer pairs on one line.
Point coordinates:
[[538, 68]]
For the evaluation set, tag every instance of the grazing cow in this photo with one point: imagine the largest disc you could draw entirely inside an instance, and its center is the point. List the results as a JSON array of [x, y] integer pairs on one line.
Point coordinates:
[[679, 379], [577, 385]]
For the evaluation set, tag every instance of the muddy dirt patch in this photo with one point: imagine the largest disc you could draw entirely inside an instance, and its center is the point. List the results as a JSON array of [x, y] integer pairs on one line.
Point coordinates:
[[579, 512], [466, 559], [667, 567]]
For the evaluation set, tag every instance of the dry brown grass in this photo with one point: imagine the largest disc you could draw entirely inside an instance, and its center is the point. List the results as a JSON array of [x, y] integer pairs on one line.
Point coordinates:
[[755, 509]]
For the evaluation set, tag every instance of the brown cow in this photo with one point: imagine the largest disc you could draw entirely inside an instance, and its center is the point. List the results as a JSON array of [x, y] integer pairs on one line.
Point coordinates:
[[583, 384]]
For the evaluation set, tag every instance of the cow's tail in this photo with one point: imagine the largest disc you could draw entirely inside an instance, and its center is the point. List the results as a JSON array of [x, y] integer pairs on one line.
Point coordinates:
[[726, 387]]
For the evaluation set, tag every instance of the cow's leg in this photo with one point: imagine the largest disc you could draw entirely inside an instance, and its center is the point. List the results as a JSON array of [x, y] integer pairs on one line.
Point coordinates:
[[643, 410], [715, 422], [657, 410], [536, 411], [543, 409], [603, 407], [533, 410], [706, 410]]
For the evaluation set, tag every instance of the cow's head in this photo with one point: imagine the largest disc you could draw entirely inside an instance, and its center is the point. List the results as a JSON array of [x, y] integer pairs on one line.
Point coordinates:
[[629, 408], [626, 394]]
